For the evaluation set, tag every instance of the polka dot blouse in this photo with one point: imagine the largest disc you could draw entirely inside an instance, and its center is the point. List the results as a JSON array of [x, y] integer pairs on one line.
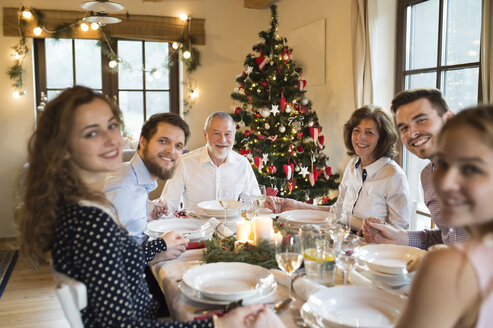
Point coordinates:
[[90, 247]]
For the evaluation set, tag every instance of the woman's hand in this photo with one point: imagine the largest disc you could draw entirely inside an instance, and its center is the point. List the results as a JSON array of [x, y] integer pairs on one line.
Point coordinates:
[[175, 245], [157, 208], [378, 232], [278, 204], [251, 316]]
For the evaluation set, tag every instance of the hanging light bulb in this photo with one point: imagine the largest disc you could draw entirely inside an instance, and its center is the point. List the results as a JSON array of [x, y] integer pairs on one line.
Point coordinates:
[[84, 27], [175, 45], [112, 63], [183, 16], [194, 93], [156, 74], [37, 30], [94, 26], [18, 93], [187, 54], [27, 14]]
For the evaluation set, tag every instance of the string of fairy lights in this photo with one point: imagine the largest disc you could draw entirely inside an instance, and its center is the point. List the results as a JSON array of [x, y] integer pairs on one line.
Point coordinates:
[[190, 54]]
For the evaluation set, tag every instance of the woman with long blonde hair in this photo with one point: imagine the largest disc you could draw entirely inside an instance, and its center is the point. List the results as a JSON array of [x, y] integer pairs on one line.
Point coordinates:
[[65, 213], [453, 287]]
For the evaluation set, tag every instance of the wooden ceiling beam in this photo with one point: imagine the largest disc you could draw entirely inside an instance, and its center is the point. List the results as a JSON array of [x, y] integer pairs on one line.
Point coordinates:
[[256, 4]]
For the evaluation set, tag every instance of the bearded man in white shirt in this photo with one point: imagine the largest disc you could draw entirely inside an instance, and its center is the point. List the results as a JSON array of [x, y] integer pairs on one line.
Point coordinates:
[[203, 174]]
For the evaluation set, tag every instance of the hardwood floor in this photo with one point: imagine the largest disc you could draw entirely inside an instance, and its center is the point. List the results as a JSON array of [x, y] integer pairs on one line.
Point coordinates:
[[29, 300]]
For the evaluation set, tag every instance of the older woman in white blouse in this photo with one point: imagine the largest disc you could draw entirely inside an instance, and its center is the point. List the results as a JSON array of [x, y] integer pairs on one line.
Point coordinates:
[[373, 185]]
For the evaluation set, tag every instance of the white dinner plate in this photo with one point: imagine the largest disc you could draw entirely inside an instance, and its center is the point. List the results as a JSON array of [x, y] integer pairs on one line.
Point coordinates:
[[352, 306], [305, 216], [194, 228], [389, 259], [212, 208], [228, 281]]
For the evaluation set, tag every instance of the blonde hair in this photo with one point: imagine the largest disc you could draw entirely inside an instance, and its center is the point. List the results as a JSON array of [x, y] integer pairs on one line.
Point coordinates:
[[52, 181]]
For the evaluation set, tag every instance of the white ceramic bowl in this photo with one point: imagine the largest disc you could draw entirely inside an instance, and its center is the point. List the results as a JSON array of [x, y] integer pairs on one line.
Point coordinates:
[[389, 259]]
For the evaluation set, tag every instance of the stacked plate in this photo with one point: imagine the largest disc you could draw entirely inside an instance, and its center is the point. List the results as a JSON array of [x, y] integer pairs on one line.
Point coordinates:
[[387, 263], [352, 306], [300, 217], [223, 283], [193, 229], [212, 208]]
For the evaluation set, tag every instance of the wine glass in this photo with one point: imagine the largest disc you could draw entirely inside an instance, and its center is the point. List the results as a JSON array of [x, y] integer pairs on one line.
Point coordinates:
[[263, 195], [289, 255], [248, 207], [226, 199], [346, 259]]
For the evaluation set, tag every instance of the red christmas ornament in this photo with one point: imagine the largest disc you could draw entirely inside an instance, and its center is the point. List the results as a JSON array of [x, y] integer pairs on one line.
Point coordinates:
[[321, 141], [300, 149], [258, 162], [301, 84], [299, 135], [313, 176], [286, 54], [304, 109], [264, 83], [247, 133], [245, 151], [272, 191], [257, 115], [272, 169], [296, 106], [283, 103], [237, 110], [327, 172], [288, 170], [291, 184], [261, 62]]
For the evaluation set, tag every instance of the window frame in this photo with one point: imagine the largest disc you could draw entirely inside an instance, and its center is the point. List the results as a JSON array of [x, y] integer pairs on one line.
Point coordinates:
[[109, 80]]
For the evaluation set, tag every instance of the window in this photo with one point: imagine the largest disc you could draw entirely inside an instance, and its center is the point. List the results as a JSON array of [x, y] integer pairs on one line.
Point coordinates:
[[66, 62], [438, 46]]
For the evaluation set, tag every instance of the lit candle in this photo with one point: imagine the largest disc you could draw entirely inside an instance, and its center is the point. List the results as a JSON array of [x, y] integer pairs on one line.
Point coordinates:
[[263, 227], [276, 238], [243, 229]]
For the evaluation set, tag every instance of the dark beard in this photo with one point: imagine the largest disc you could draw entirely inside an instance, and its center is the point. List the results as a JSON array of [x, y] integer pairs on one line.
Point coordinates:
[[155, 169]]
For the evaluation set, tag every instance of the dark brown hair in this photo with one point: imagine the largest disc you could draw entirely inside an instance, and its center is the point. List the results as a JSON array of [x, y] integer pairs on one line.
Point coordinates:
[[51, 180], [434, 96], [149, 128], [385, 126]]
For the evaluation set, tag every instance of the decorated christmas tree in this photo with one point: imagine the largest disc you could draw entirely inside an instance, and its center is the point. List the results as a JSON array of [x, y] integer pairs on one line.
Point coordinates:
[[277, 130]]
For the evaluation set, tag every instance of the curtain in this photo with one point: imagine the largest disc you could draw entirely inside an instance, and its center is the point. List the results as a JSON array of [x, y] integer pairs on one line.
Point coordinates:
[[362, 75], [486, 53]]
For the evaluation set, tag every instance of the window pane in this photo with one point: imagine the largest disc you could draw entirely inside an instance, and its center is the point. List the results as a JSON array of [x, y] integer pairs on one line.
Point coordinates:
[[59, 67], [157, 102], [422, 35], [130, 70], [462, 32], [51, 94], [88, 63], [156, 55], [460, 88], [421, 80], [131, 105]]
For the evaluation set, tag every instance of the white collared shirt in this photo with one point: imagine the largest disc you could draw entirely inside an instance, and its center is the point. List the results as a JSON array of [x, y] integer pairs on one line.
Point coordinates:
[[384, 194], [198, 179]]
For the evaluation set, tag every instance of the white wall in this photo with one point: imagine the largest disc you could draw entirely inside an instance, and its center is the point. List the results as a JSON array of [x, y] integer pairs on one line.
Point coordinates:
[[231, 31]]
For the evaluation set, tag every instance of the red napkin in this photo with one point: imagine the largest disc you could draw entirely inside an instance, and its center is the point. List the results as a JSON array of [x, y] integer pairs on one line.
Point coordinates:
[[210, 314], [196, 245]]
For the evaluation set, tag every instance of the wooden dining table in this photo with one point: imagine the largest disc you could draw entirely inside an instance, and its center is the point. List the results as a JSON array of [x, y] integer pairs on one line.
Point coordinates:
[[169, 274]]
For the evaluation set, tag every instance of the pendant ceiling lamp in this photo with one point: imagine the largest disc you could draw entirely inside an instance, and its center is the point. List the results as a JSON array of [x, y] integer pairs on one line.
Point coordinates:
[[102, 8]]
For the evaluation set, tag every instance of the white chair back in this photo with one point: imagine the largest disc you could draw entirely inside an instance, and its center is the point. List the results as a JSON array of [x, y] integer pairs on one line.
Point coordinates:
[[73, 297]]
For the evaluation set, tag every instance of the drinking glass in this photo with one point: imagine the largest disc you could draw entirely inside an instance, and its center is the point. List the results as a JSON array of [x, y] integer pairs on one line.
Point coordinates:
[[248, 207], [262, 197], [346, 258], [289, 255], [319, 257], [226, 199]]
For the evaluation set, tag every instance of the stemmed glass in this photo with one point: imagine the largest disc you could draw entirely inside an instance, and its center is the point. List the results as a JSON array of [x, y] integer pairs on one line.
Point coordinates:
[[248, 207], [263, 195], [289, 255], [226, 199]]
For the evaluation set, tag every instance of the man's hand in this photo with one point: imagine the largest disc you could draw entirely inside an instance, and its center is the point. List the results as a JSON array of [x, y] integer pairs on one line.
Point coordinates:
[[278, 204], [376, 231], [157, 208], [175, 245]]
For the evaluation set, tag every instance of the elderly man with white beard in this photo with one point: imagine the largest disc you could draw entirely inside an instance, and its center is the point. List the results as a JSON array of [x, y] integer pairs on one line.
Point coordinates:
[[206, 172]]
